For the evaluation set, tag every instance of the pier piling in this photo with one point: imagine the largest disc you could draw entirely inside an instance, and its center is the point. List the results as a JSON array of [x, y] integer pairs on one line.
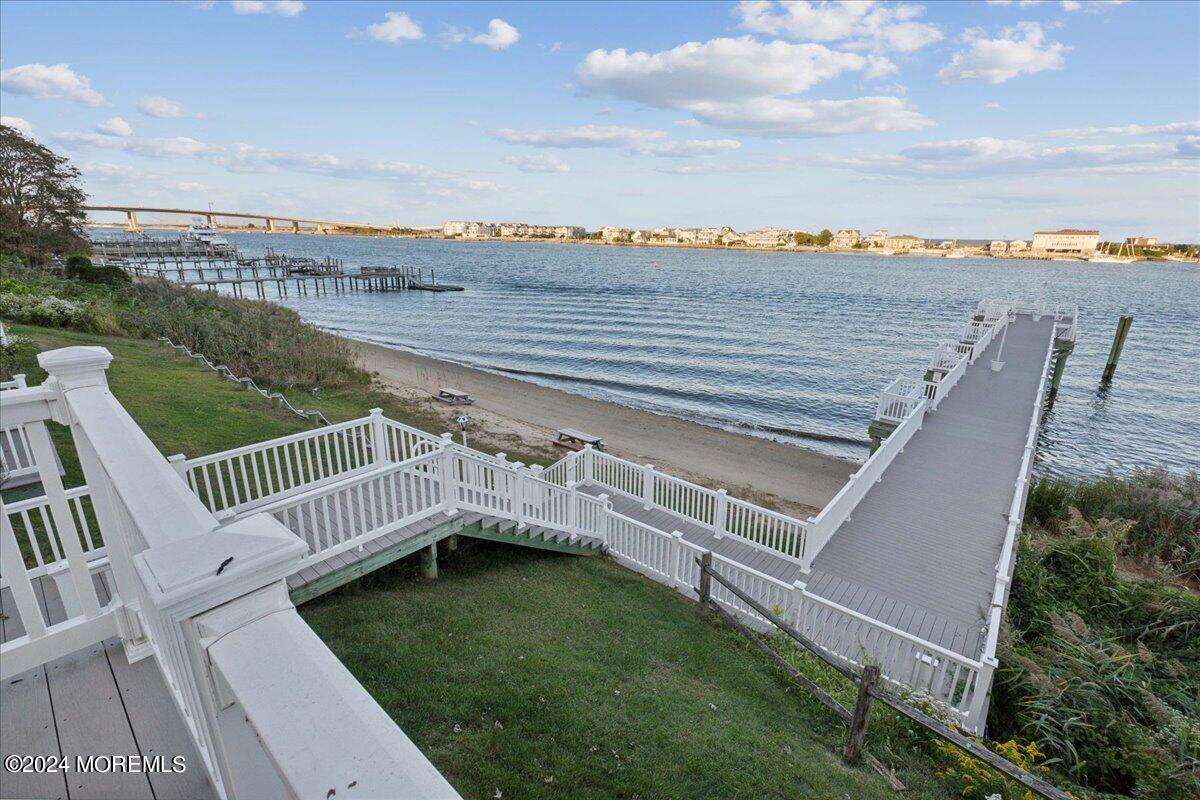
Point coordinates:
[[1118, 344]]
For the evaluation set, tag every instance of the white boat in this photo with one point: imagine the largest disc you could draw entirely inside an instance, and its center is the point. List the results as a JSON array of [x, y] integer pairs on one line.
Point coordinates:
[[957, 252], [205, 236], [1111, 259]]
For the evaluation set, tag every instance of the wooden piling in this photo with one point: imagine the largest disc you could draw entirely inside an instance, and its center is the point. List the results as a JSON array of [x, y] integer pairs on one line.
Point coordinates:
[[429, 562], [705, 578], [1114, 352]]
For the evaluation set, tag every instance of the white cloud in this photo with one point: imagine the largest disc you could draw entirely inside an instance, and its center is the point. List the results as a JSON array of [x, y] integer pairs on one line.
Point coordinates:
[[864, 24], [770, 116], [987, 156], [499, 36], [688, 148], [21, 124], [114, 127], [116, 175], [396, 26], [1019, 50], [1191, 127], [164, 147], [246, 158], [282, 8], [690, 122], [554, 48], [154, 105], [747, 86], [1093, 6], [50, 82], [581, 136], [541, 162], [993, 106]]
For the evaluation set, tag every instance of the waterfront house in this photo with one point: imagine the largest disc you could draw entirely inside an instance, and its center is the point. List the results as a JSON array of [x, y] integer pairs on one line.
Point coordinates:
[[1068, 241], [1017, 246], [847, 237], [768, 237], [611, 233], [998, 247]]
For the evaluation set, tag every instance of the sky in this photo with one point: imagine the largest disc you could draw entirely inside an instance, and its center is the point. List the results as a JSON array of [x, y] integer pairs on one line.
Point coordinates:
[[939, 119]]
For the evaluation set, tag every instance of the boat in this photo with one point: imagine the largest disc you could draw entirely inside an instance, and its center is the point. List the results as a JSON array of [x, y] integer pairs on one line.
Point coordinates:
[[957, 252], [206, 237]]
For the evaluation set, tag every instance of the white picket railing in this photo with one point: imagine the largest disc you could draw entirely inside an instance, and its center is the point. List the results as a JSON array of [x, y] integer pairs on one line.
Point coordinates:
[[332, 521], [240, 479], [32, 521], [15, 382], [403, 441], [712, 509], [16, 460], [899, 398]]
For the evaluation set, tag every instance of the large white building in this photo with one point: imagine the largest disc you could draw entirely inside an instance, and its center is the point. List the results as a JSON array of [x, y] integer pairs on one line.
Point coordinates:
[[454, 228], [1071, 241], [611, 233], [998, 247]]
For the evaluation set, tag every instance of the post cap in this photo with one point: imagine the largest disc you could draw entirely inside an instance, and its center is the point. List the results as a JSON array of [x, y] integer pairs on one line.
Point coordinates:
[[448, 436], [77, 366], [376, 412]]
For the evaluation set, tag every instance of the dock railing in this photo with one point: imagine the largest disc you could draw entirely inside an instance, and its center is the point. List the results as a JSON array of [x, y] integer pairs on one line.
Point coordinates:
[[710, 508], [207, 601]]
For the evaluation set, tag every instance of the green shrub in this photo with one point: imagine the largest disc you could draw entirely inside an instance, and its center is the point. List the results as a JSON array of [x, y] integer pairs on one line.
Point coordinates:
[[77, 266]]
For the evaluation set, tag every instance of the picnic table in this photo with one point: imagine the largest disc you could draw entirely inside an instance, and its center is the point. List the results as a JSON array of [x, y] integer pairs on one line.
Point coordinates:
[[454, 396], [572, 439]]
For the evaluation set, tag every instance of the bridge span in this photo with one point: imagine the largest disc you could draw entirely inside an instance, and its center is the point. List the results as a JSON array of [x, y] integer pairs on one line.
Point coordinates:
[[271, 222]]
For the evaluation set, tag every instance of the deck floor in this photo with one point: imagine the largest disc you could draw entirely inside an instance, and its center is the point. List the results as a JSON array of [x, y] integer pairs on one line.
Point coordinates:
[[92, 702]]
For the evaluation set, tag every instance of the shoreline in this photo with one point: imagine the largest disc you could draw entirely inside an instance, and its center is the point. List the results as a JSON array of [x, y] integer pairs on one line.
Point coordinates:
[[803, 480]]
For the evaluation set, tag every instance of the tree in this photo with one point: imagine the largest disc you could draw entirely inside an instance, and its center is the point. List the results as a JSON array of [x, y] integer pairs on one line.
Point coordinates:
[[824, 237], [41, 201]]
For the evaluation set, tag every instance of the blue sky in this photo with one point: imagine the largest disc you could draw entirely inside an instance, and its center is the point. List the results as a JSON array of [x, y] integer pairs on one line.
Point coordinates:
[[938, 119]]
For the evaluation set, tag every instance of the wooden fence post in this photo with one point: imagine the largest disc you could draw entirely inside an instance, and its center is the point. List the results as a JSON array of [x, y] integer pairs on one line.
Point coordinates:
[[705, 578], [647, 486], [379, 448], [720, 512], [862, 708]]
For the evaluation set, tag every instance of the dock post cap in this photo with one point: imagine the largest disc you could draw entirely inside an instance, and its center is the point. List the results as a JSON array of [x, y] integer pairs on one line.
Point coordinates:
[[376, 412]]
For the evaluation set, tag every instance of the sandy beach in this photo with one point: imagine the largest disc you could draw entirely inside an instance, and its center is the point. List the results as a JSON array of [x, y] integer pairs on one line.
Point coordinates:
[[800, 480]]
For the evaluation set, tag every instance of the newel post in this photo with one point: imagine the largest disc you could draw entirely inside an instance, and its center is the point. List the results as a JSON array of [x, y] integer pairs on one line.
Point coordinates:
[[178, 463], [379, 448], [647, 486], [518, 501], [572, 509], [720, 513], [604, 518], [449, 479], [589, 464]]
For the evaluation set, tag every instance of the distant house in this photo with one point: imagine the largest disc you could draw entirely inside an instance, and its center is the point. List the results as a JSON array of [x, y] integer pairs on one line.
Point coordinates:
[[881, 238], [478, 230], [847, 237], [454, 228], [1141, 241], [998, 247], [569, 231], [767, 237], [1017, 246], [1070, 241], [610, 233]]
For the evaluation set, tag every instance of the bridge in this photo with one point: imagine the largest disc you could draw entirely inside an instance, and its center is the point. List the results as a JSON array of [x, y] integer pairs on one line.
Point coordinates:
[[907, 568], [270, 221]]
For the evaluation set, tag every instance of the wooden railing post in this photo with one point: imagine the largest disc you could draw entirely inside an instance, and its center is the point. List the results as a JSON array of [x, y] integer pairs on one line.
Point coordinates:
[[518, 501], [676, 558], [648, 486], [720, 512], [379, 448], [604, 518], [862, 710], [705, 578], [178, 462]]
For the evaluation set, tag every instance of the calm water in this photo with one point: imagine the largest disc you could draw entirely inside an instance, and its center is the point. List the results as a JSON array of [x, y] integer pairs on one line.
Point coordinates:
[[782, 345]]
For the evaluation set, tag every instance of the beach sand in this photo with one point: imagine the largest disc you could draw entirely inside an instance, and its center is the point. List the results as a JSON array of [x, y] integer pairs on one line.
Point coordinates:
[[798, 480]]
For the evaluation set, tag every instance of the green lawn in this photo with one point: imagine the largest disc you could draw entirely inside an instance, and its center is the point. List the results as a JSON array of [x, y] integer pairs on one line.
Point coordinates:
[[546, 675]]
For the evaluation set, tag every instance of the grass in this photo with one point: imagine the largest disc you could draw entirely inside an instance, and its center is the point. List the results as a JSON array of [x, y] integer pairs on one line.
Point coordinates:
[[543, 676]]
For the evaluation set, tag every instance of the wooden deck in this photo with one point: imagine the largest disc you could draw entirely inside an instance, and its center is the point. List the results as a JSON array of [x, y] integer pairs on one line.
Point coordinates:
[[92, 703]]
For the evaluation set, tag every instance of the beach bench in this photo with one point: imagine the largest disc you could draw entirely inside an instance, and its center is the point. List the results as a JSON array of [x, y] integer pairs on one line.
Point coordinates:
[[454, 397], [571, 439]]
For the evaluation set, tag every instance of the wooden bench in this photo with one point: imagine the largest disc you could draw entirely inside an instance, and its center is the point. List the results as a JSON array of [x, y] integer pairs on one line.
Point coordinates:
[[571, 439], [454, 397]]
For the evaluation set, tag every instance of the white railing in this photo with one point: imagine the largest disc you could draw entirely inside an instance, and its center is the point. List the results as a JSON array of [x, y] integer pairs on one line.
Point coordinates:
[[54, 526], [485, 484], [32, 521], [958, 682], [16, 382], [405, 442], [712, 509], [838, 510], [246, 477], [945, 357], [898, 399], [363, 508], [16, 460], [270, 709]]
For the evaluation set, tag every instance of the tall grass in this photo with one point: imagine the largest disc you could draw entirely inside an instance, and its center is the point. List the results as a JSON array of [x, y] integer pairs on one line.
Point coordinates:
[[1162, 507], [260, 340]]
